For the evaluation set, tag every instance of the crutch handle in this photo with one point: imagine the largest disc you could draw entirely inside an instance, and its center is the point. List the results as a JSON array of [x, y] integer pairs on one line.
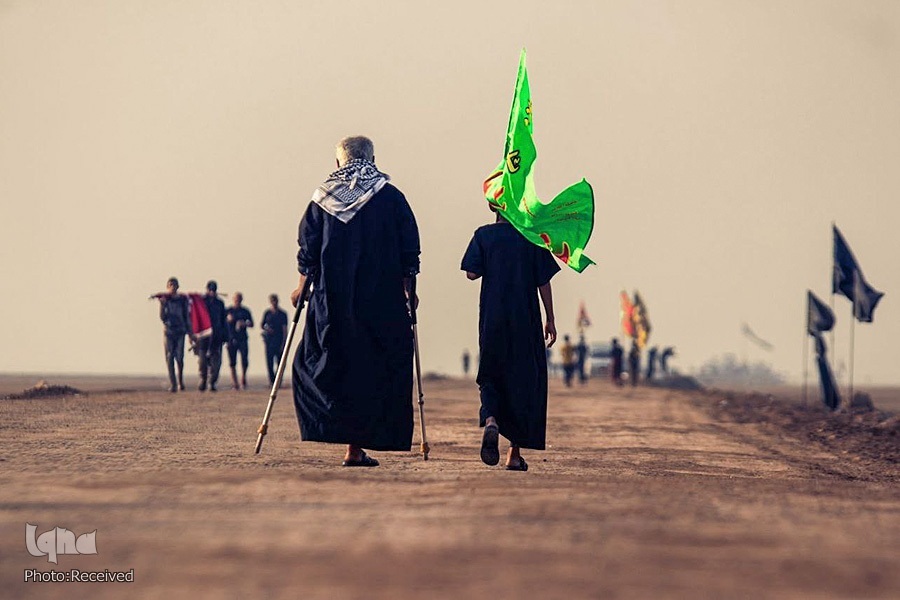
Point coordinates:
[[411, 301]]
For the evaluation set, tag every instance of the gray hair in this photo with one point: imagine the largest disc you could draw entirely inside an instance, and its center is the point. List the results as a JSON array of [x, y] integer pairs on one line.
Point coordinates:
[[357, 146]]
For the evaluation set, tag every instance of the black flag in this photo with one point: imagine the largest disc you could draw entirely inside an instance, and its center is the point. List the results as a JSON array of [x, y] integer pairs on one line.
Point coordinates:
[[866, 299], [848, 280], [819, 317]]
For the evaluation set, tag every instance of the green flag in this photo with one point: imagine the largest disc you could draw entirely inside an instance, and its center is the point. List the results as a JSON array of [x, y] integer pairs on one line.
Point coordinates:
[[564, 224]]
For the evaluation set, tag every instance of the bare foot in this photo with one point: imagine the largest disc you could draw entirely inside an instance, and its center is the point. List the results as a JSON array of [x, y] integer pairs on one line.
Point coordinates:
[[514, 460], [356, 457], [353, 453]]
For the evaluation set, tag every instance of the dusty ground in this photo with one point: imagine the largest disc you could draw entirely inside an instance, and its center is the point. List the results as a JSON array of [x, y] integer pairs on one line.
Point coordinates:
[[644, 493]]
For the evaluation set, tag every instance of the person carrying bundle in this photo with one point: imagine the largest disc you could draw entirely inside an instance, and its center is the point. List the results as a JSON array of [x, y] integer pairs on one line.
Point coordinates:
[[174, 312]]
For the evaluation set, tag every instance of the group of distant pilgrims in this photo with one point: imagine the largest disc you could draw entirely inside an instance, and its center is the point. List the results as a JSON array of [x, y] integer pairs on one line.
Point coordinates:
[[352, 372], [574, 362], [209, 326]]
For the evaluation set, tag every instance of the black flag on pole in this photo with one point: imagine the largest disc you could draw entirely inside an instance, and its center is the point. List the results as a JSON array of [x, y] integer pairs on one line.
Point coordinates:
[[819, 317], [848, 280], [866, 299]]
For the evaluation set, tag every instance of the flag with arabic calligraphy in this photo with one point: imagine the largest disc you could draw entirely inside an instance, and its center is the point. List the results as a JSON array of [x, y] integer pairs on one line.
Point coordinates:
[[563, 225]]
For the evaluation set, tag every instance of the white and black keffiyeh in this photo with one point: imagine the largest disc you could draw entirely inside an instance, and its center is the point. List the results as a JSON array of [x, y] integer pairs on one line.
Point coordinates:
[[349, 188]]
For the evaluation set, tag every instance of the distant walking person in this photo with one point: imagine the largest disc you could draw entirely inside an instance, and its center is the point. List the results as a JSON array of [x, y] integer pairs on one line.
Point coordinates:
[[667, 353], [512, 369], [274, 332], [210, 347], [567, 355], [175, 315], [634, 363], [239, 320], [353, 371], [651, 362], [615, 355], [466, 359], [581, 355]]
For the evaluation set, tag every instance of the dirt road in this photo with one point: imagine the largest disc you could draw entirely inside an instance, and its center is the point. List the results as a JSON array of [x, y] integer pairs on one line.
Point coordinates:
[[642, 494]]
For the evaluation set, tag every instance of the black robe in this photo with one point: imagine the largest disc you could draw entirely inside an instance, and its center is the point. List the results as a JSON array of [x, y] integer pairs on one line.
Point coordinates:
[[512, 368], [353, 368]]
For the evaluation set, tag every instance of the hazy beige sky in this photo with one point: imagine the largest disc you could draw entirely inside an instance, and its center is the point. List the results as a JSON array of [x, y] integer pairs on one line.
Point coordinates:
[[140, 140]]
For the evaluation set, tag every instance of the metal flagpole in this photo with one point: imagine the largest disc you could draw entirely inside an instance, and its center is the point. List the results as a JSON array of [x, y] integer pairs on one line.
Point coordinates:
[[264, 428], [852, 330], [831, 300], [415, 331], [806, 349]]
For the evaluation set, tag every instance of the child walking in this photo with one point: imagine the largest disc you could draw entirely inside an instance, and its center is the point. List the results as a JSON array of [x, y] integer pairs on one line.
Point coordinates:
[[512, 369]]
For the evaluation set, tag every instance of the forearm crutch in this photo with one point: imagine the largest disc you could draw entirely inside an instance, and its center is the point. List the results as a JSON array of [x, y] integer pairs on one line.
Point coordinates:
[[264, 428], [415, 331]]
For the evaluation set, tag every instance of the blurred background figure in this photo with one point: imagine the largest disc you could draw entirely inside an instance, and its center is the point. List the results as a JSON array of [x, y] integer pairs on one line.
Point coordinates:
[[567, 355], [466, 359], [634, 363], [210, 348], [581, 353], [175, 315], [274, 333], [651, 362], [616, 355], [238, 319], [667, 353]]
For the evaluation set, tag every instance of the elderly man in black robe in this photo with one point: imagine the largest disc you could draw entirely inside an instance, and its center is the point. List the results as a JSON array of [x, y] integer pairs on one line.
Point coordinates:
[[359, 244]]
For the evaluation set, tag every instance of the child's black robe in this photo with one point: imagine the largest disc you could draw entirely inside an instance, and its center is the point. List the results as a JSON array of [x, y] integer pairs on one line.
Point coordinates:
[[512, 369]]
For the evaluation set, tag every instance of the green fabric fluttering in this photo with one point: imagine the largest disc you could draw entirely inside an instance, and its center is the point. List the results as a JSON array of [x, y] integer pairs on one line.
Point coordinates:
[[564, 224]]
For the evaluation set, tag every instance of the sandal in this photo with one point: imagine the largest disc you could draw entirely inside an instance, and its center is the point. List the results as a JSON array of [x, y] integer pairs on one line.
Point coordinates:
[[522, 466], [364, 461], [490, 453]]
